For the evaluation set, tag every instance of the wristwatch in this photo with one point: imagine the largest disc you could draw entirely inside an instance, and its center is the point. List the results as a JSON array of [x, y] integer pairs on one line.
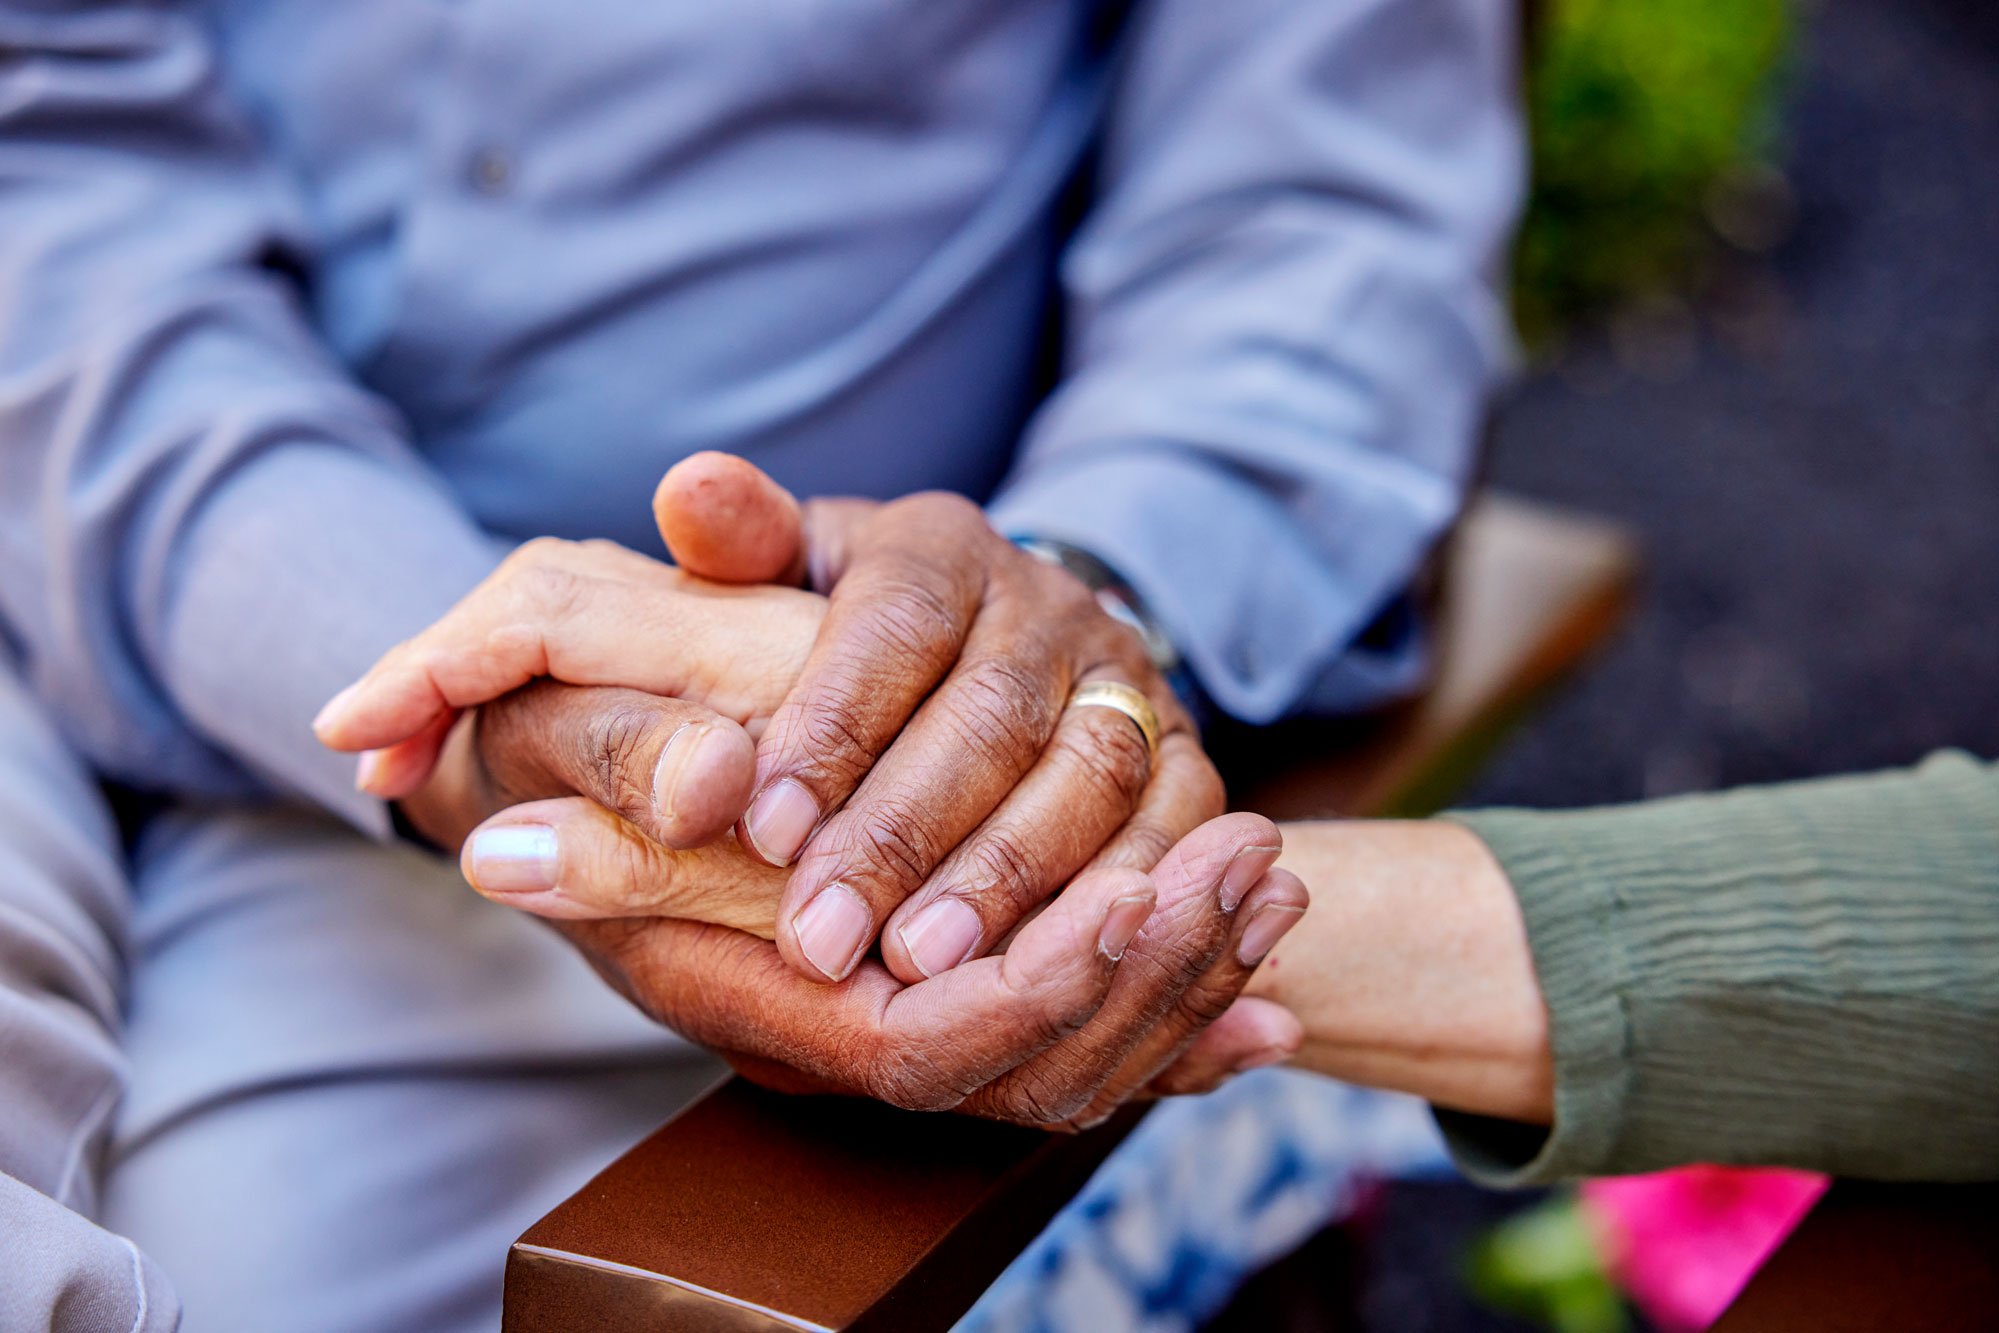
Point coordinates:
[[1113, 594]]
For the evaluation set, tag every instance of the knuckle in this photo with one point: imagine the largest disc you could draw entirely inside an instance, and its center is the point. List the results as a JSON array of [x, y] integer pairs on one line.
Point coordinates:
[[551, 591], [1145, 841], [911, 1079], [1178, 945], [1043, 1025], [1106, 747], [1046, 1099], [831, 740], [909, 618], [535, 553], [644, 874], [948, 508], [1000, 709], [614, 749], [1000, 859], [898, 841], [1201, 1004], [834, 732]]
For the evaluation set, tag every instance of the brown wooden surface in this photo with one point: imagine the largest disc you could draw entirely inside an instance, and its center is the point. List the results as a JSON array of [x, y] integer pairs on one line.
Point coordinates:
[[1882, 1259], [754, 1212]]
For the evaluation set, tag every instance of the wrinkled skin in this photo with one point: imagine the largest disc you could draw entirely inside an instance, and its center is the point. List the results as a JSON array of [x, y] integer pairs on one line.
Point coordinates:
[[549, 697]]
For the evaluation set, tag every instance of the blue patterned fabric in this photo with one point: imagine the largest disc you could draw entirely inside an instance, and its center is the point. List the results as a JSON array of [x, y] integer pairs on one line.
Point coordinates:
[[1205, 1192]]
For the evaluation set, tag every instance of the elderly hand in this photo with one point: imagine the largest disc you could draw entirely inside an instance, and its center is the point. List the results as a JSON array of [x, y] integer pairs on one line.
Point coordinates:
[[926, 773], [1126, 985], [1059, 1034], [667, 759]]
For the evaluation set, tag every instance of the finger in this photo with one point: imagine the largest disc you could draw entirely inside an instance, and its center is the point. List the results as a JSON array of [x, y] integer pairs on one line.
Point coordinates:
[[1186, 793], [1197, 884], [554, 608], [586, 614], [833, 528], [396, 771], [894, 626], [678, 771], [1250, 1034], [1271, 908], [1083, 787], [969, 745], [724, 518], [571, 859], [923, 1047]]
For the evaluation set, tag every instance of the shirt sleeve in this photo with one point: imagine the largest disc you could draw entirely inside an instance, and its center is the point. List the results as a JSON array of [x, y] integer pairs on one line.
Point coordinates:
[[63, 912], [1283, 323], [206, 527], [1785, 976]]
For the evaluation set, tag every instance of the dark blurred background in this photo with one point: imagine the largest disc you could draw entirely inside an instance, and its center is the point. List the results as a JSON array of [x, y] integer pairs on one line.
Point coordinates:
[[1761, 288], [1807, 440]]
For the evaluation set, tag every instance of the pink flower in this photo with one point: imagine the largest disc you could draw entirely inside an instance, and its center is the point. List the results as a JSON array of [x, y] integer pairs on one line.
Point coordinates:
[[1684, 1243]]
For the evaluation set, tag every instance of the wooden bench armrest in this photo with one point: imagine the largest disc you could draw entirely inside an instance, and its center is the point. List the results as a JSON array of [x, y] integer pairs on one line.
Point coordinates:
[[750, 1211]]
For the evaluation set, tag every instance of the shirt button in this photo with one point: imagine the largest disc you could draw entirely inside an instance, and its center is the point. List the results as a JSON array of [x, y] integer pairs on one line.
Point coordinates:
[[491, 170]]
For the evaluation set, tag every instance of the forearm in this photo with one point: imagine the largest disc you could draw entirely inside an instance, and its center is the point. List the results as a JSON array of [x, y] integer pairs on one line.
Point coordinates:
[[299, 573], [1411, 971], [203, 517], [1790, 975], [1780, 976]]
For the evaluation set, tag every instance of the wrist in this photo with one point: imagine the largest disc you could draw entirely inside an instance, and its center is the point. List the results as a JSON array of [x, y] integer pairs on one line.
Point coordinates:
[[1412, 969]]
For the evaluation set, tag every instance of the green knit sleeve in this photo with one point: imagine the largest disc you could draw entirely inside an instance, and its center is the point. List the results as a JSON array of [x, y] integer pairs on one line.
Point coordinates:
[[1802, 975]]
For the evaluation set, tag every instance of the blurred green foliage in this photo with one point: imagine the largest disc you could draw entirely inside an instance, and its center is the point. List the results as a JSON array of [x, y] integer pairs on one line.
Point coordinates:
[[1653, 122], [1543, 1266]]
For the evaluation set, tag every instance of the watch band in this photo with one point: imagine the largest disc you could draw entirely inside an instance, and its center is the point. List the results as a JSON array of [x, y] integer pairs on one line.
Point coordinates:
[[1113, 594]]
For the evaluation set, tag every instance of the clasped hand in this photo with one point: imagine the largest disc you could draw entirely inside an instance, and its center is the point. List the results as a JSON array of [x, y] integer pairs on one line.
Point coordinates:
[[728, 792]]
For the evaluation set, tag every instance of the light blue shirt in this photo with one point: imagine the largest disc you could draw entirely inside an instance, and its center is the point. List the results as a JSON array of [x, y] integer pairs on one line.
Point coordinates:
[[309, 310]]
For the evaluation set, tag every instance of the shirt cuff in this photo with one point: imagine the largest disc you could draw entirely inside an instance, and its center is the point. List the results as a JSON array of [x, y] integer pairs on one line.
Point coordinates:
[[299, 571], [1778, 976], [1570, 923], [1263, 617]]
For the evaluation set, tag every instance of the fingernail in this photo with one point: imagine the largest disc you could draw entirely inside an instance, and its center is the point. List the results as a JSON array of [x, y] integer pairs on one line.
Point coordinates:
[[334, 707], [832, 930], [1269, 1055], [1267, 927], [942, 936], [368, 770], [1246, 867], [1122, 924], [780, 820], [677, 762], [514, 858]]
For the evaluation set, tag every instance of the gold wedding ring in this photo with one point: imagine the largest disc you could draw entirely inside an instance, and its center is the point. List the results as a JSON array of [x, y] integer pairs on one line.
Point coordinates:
[[1123, 698]]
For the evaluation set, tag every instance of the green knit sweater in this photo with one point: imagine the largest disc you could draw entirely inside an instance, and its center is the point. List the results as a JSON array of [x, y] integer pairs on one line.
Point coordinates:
[[1804, 975]]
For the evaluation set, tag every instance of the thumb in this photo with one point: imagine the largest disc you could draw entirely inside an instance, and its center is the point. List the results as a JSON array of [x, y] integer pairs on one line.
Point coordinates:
[[723, 518]]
